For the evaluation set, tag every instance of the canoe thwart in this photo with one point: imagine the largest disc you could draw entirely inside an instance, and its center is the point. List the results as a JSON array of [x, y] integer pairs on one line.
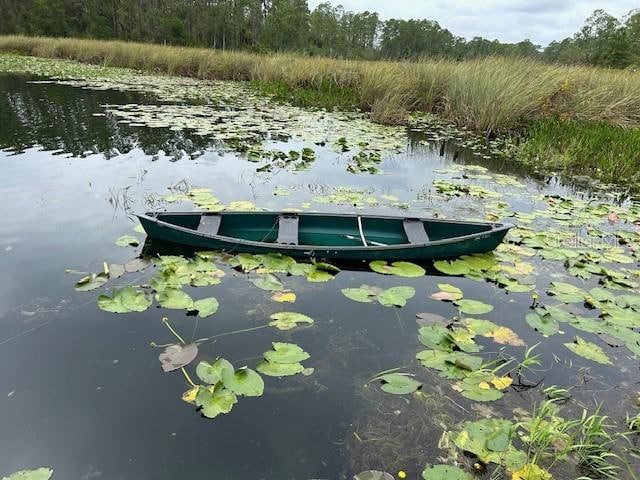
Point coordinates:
[[209, 224], [288, 229], [415, 230]]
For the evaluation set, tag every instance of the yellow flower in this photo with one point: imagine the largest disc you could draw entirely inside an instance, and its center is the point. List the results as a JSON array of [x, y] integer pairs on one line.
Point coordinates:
[[402, 474]]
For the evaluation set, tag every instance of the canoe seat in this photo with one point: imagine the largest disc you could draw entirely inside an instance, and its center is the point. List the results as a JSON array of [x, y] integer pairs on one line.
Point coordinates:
[[209, 224], [414, 229], [288, 229]]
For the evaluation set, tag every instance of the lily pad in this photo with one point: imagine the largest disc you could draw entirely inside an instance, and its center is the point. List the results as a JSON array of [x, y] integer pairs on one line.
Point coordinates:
[[445, 472], [125, 300], [42, 473], [396, 296], [545, 324], [243, 382], [127, 241], [398, 383], [279, 369], [213, 373], [447, 293], [206, 306], [363, 295], [373, 475], [284, 297], [177, 356], [453, 267], [215, 400], [588, 350], [285, 353], [401, 269], [473, 307], [268, 282], [288, 320], [175, 298]]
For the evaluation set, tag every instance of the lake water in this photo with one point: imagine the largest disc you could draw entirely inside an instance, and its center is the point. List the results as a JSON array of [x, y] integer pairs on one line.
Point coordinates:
[[81, 389]]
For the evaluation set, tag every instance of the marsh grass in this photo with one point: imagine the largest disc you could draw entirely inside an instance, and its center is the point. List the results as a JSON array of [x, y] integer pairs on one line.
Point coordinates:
[[594, 149], [490, 95]]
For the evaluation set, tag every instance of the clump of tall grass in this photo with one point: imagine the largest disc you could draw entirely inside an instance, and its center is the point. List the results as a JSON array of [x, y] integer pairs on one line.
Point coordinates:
[[489, 95]]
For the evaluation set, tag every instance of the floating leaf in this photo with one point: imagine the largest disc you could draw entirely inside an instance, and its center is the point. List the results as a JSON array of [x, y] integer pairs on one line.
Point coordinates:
[[206, 306], [212, 373], [531, 471], [545, 324], [268, 282], [506, 336], [139, 228], [426, 319], [42, 473], [127, 241], [363, 295], [175, 298], [588, 350], [454, 267], [284, 297], [91, 282], [373, 475], [215, 401], [285, 353], [398, 383], [473, 307], [279, 369], [243, 382], [396, 296], [448, 293], [401, 269], [190, 395], [177, 356], [288, 320], [125, 300], [445, 472], [567, 293]]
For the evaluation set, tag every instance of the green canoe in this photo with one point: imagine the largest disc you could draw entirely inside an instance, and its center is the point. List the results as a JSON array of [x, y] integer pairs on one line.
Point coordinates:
[[339, 236]]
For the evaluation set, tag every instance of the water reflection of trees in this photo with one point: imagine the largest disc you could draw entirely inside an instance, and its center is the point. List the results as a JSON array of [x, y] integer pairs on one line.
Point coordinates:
[[62, 118]]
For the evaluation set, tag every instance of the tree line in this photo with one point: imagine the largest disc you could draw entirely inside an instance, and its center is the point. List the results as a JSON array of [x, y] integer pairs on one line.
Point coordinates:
[[289, 25]]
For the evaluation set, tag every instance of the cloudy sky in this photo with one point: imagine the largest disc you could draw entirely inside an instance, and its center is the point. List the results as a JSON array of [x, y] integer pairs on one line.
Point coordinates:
[[507, 20]]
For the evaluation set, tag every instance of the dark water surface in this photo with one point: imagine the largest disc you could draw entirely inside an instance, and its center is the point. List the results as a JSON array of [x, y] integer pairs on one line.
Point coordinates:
[[81, 389]]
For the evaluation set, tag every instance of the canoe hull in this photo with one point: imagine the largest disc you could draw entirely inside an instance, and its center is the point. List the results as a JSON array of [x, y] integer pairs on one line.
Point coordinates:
[[465, 245]]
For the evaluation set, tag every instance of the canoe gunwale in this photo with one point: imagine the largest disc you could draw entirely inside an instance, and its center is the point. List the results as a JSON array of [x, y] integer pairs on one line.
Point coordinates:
[[495, 229]]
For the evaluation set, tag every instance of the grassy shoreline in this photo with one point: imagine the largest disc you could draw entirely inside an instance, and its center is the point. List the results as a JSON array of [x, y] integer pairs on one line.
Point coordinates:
[[576, 119]]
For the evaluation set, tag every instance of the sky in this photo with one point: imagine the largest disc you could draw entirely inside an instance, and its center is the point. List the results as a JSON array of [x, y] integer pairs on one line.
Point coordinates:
[[541, 21]]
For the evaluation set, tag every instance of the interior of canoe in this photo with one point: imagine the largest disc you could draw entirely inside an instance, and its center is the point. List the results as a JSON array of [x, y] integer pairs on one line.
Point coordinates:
[[320, 230]]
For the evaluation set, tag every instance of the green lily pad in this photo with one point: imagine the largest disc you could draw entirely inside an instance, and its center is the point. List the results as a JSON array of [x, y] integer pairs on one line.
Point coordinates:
[[42, 473], [125, 300], [243, 382], [588, 350], [206, 306], [288, 320], [285, 353], [268, 282], [215, 400], [363, 295], [453, 267], [373, 475], [473, 307], [545, 324], [279, 369], [127, 241], [174, 298], [398, 383], [567, 293], [396, 296], [445, 472], [401, 269], [212, 373]]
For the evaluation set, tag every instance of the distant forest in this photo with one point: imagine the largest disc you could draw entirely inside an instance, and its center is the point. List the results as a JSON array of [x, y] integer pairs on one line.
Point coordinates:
[[289, 25]]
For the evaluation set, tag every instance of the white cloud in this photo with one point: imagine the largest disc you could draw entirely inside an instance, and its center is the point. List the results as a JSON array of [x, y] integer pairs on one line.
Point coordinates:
[[507, 20]]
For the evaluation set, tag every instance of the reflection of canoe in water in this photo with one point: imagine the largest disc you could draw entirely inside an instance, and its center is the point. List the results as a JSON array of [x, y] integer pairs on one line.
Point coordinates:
[[340, 236]]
